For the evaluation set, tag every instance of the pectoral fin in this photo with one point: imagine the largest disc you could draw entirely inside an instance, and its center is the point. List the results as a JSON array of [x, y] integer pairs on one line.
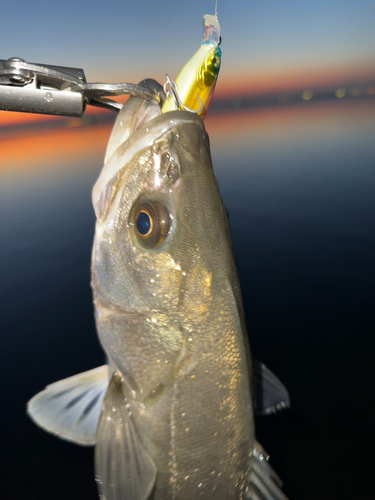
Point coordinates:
[[123, 467], [270, 394], [70, 408]]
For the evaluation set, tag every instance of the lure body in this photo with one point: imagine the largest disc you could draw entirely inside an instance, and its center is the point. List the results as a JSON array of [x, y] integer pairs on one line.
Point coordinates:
[[196, 82]]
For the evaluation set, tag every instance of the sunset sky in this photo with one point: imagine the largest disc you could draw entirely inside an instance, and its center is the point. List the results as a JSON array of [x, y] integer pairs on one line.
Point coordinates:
[[268, 44]]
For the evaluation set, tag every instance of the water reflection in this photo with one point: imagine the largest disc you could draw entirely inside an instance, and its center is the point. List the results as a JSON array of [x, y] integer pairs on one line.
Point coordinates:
[[299, 184]]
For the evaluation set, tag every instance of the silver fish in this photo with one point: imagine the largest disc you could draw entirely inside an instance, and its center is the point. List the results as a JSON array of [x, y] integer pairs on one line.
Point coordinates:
[[172, 413]]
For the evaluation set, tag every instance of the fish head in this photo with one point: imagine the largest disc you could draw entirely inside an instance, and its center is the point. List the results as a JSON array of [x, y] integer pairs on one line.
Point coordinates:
[[162, 231]]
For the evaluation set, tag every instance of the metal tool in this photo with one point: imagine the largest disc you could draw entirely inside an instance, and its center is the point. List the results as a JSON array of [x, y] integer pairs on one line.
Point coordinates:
[[58, 90]]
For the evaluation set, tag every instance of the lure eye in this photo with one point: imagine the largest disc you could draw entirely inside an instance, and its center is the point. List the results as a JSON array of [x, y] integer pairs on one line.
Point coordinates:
[[152, 223], [216, 62]]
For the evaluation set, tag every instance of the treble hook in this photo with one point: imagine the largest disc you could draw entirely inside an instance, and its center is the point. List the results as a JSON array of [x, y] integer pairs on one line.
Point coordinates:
[[173, 92]]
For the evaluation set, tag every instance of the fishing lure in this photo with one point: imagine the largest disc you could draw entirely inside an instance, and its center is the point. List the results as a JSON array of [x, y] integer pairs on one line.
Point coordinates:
[[195, 85]]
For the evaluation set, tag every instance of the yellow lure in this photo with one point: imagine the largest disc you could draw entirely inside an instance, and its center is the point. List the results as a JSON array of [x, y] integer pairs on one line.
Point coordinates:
[[196, 83]]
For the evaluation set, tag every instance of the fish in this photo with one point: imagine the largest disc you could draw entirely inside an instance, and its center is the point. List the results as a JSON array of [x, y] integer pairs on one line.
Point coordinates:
[[171, 413], [196, 82]]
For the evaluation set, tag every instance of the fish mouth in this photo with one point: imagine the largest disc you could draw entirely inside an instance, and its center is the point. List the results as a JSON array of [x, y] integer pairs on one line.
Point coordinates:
[[145, 115], [135, 113]]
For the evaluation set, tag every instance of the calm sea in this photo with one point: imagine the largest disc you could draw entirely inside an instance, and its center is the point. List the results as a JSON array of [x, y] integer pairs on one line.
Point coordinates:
[[299, 184]]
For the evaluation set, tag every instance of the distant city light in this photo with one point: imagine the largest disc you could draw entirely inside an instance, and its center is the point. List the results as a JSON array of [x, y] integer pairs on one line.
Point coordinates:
[[355, 91], [340, 92], [237, 102], [307, 95], [74, 122]]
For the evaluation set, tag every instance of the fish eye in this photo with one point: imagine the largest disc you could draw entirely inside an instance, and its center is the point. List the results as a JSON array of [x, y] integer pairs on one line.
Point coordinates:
[[144, 223], [152, 223]]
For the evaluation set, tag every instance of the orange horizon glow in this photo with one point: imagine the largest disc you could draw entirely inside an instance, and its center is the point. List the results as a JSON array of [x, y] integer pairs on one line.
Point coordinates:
[[249, 80], [232, 124], [260, 82], [49, 149], [284, 80], [12, 117]]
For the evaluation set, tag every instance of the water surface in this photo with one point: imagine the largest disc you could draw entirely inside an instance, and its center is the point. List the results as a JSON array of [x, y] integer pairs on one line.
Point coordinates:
[[299, 184]]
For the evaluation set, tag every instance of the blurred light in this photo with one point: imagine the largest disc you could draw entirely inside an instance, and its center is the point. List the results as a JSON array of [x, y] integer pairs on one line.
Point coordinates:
[[370, 91], [86, 119], [340, 92], [283, 99], [307, 95], [75, 122], [355, 91], [237, 102]]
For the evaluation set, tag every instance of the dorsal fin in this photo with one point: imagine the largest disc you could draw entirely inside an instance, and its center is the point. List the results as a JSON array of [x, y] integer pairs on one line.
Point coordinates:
[[270, 394]]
